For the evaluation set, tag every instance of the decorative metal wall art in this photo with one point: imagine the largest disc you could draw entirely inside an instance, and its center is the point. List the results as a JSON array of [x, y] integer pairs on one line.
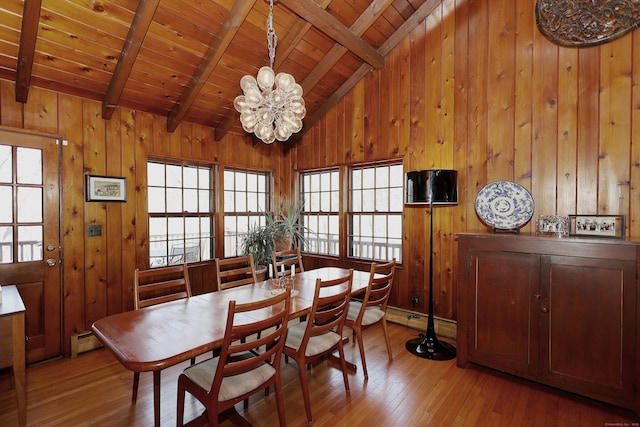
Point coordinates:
[[582, 23]]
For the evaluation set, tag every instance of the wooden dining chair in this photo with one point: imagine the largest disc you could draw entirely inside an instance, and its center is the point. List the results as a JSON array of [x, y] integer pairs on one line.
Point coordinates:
[[321, 333], [286, 259], [236, 271], [372, 309], [155, 286], [240, 371]]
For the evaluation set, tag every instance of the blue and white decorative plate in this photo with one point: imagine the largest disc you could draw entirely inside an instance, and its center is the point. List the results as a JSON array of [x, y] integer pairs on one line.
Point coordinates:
[[504, 205]]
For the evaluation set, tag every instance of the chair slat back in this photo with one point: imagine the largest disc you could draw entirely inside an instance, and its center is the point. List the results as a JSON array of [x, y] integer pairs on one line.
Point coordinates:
[[287, 258], [270, 328], [236, 271], [158, 285], [380, 283], [330, 307]]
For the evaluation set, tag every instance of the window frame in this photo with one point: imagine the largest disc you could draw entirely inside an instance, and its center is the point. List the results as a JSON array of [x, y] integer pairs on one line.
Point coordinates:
[[351, 212], [206, 242], [253, 217], [308, 211]]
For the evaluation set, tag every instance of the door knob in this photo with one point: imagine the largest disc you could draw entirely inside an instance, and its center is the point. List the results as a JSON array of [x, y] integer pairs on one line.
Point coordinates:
[[51, 262]]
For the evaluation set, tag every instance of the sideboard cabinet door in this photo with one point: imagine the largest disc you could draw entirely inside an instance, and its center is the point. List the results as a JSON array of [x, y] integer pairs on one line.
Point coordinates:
[[502, 331], [587, 312]]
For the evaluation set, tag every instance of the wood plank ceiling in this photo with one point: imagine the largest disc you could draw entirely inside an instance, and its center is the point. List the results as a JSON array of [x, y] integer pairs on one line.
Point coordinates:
[[183, 59]]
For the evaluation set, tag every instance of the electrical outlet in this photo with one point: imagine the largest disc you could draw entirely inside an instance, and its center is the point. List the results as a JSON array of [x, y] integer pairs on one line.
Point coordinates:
[[94, 230], [415, 299]]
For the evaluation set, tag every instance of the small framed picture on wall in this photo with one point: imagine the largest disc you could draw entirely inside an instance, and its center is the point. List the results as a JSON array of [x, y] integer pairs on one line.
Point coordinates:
[[105, 189]]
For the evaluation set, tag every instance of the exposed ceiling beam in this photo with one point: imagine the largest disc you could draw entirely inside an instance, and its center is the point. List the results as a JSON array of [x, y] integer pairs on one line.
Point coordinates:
[[137, 32], [216, 49], [361, 25], [26, 51], [416, 18], [322, 20]]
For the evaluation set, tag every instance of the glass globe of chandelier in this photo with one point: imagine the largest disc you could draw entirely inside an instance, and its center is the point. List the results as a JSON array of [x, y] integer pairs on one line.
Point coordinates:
[[270, 113]]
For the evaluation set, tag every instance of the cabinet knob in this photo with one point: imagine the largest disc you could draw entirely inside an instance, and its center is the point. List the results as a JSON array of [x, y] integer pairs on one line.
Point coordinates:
[[544, 309]]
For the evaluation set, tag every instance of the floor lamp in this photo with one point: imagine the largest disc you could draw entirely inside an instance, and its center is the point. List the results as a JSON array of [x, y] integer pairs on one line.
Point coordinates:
[[432, 187]]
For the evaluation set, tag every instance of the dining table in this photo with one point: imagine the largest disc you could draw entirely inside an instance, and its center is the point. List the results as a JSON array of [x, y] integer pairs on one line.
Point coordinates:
[[157, 337]]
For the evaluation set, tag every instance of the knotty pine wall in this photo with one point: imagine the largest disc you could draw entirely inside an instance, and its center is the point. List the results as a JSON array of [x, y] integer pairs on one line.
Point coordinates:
[[476, 88]]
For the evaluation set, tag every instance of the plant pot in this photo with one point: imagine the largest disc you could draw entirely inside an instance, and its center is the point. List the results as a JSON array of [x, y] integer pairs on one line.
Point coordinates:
[[283, 243], [261, 273]]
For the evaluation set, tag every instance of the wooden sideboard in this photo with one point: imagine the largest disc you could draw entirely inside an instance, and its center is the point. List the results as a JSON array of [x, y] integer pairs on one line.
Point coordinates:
[[559, 311], [12, 337]]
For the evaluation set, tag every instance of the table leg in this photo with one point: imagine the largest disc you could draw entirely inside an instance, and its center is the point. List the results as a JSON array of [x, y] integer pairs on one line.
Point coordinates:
[[156, 398]]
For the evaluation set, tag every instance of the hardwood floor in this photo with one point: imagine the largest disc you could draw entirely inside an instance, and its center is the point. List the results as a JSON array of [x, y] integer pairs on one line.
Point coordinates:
[[95, 390]]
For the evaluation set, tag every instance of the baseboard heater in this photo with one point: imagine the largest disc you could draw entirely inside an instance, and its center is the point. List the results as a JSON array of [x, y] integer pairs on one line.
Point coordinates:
[[444, 327], [83, 342]]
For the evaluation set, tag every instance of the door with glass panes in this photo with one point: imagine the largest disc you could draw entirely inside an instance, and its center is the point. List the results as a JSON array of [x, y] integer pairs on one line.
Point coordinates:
[[29, 235]]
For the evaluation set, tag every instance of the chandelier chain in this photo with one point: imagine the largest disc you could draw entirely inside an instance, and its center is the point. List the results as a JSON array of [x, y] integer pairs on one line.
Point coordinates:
[[272, 38]]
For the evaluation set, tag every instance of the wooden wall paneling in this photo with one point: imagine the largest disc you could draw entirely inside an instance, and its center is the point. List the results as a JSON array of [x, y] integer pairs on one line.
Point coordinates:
[[465, 208], [567, 131], [355, 139], [335, 155], [11, 113], [73, 226], [501, 84], [144, 143], [633, 220], [449, 246], [385, 116], [331, 147], [41, 111], [186, 139], [545, 124], [345, 126], [112, 228], [396, 146], [371, 114], [95, 213], [615, 119], [161, 141], [522, 140], [476, 107], [588, 130], [128, 231], [415, 149]]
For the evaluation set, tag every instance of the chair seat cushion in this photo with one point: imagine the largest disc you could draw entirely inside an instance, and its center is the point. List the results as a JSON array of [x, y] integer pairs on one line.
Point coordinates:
[[371, 314], [202, 374], [317, 344]]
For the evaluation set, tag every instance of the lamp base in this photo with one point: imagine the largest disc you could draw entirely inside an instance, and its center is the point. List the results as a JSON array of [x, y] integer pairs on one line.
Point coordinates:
[[427, 346]]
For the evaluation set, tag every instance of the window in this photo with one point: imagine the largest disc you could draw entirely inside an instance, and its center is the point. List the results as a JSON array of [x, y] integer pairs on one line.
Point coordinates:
[[375, 216], [181, 220], [321, 194], [22, 189], [245, 201]]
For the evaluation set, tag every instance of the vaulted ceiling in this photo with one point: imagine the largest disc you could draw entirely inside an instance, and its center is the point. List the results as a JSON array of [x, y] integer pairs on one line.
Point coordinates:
[[183, 59]]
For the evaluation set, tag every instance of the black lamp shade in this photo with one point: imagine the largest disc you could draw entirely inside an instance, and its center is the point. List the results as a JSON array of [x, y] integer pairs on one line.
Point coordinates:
[[434, 186]]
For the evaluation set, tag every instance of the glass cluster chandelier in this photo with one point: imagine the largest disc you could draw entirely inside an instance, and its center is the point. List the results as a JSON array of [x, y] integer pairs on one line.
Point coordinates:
[[270, 113]]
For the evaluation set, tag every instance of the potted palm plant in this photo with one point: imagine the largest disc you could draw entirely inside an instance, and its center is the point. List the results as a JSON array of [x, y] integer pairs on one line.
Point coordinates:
[[258, 241], [285, 225]]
